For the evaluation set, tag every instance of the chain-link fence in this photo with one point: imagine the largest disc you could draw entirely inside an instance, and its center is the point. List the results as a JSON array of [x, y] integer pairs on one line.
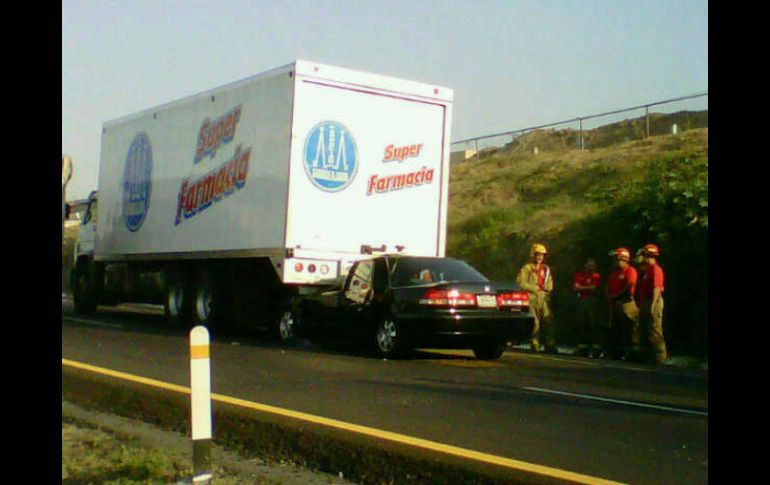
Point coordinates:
[[592, 131]]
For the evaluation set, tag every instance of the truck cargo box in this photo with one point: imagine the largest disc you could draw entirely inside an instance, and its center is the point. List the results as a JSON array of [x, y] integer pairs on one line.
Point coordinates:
[[306, 162]]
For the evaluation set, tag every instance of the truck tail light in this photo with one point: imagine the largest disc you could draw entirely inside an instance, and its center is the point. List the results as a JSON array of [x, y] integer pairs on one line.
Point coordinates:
[[513, 299], [299, 267], [451, 298], [311, 268]]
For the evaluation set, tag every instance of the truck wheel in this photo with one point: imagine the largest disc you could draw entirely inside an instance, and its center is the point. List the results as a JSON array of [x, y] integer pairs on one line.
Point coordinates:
[[286, 327], [178, 302], [490, 351], [389, 341], [82, 290], [211, 306]]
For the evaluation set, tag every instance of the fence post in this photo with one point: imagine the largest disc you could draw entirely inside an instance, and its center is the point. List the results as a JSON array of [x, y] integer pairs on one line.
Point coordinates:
[[647, 115], [478, 155], [582, 145], [200, 404]]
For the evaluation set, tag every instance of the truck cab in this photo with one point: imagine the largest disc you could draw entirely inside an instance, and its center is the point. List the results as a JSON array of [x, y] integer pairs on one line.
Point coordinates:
[[84, 280], [87, 231]]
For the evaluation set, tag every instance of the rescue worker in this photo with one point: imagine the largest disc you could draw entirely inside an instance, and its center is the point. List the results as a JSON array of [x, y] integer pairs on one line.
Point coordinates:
[[623, 312], [535, 277], [649, 298], [589, 336], [636, 354]]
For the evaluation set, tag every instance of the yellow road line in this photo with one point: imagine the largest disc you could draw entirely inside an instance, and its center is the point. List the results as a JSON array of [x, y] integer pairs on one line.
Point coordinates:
[[364, 430]]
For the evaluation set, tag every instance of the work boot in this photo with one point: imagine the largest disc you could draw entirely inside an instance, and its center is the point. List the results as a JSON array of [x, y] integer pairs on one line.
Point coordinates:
[[551, 349], [659, 359]]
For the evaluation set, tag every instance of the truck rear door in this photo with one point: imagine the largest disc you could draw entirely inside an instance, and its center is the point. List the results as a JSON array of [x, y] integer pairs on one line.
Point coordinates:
[[368, 167]]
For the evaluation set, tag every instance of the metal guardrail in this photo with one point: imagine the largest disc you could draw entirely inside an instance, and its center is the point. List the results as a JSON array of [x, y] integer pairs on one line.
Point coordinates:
[[513, 134]]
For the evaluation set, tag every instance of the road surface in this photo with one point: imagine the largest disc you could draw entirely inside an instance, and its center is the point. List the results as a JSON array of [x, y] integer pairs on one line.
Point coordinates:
[[626, 422]]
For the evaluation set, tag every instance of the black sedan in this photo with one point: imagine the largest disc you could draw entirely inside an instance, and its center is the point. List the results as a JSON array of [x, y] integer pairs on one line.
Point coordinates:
[[397, 303]]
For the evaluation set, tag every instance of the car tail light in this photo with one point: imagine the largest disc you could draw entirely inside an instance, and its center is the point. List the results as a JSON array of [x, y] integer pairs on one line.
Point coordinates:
[[513, 299], [452, 298]]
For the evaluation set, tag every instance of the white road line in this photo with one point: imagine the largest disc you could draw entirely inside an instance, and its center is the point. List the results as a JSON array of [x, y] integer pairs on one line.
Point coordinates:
[[93, 322], [616, 401]]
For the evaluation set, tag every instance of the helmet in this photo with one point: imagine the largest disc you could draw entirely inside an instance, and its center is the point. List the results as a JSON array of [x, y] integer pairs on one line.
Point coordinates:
[[651, 250], [537, 248], [621, 253]]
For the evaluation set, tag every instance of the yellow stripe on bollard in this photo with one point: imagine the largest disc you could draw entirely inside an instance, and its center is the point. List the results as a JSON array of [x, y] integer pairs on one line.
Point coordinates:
[[199, 351]]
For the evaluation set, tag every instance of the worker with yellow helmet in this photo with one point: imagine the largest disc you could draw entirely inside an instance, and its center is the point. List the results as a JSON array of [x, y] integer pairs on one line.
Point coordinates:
[[535, 278]]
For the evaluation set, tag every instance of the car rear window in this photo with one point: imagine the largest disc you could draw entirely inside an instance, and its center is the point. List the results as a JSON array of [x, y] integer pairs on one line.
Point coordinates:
[[427, 271]]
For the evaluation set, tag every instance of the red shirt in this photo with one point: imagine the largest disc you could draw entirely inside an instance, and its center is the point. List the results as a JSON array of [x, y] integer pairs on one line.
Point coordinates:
[[651, 279], [585, 278], [620, 277]]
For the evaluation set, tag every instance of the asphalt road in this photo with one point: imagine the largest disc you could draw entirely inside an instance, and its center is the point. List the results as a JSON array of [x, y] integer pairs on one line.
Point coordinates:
[[626, 422]]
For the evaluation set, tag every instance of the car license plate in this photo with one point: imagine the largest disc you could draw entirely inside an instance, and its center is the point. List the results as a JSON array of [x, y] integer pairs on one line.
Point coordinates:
[[486, 301]]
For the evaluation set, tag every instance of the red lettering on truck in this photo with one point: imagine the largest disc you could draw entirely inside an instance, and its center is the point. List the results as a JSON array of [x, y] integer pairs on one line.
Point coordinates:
[[394, 153], [389, 183], [195, 196], [213, 134]]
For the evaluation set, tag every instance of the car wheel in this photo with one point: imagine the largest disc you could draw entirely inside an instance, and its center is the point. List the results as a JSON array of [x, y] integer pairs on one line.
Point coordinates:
[[389, 339], [489, 351]]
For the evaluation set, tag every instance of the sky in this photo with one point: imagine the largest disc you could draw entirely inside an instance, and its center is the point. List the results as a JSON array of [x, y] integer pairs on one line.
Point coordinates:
[[512, 64]]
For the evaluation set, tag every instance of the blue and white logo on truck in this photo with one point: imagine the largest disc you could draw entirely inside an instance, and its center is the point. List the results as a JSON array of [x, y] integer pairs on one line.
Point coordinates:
[[330, 156], [137, 182]]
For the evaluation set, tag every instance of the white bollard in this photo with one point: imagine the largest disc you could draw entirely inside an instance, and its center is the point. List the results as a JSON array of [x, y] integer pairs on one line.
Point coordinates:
[[200, 400]]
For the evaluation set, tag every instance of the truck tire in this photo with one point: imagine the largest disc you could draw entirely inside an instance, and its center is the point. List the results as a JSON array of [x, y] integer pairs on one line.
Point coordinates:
[[211, 305], [83, 291], [178, 300], [286, 327]]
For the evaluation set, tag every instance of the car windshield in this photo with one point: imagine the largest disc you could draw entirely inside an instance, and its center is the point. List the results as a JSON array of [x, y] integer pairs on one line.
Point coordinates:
[[427, 271]]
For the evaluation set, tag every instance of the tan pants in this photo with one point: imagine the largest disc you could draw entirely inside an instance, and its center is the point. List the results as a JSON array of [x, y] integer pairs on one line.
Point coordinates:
[[651, 329], [624, 327], [540, 306]]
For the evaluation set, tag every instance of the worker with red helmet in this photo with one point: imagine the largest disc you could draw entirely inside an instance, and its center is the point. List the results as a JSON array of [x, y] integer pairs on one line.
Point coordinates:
[[624, 314], [535, 278], [649, 298], [585, 284]]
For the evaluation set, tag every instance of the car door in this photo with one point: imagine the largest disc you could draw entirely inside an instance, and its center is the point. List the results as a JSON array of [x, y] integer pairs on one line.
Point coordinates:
[[357, 296], [366, 295]]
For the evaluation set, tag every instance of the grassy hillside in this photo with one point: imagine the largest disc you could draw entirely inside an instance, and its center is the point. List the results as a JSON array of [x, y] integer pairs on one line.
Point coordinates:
[[583, 203]]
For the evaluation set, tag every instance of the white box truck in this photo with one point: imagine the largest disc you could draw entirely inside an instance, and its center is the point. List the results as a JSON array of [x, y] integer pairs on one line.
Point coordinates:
[[224, 205]]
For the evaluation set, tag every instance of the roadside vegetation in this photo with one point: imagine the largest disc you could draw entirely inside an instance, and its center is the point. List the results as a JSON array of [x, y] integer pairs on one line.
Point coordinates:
[[92, 455], [583, 203]]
